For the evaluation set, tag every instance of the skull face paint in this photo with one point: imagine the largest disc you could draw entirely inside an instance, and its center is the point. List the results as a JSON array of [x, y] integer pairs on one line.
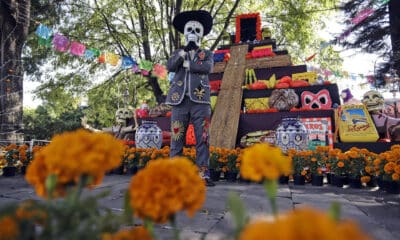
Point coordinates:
[[193, 32]]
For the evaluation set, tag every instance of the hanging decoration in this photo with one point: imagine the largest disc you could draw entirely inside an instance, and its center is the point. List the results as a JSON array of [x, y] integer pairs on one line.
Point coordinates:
[[61, 43]]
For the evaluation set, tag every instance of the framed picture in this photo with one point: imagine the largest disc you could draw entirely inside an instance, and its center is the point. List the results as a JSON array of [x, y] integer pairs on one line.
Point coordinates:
[[248, 27], [319, 131]]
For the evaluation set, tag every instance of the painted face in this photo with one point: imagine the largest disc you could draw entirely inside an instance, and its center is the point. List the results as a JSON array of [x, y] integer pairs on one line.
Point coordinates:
[[373, 100], [193, 32]]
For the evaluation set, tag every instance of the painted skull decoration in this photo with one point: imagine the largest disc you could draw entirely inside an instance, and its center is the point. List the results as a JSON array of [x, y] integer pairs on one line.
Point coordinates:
[[319, 100], [291, 133], [193, 32], [373, 101], [283, 99], [122, 115]]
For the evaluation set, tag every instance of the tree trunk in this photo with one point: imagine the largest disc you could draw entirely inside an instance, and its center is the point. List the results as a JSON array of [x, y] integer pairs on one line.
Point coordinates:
[[14, 24], [394, 17]]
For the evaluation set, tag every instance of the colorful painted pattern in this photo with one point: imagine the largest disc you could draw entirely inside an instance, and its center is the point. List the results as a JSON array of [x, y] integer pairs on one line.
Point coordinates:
[[177, 130]]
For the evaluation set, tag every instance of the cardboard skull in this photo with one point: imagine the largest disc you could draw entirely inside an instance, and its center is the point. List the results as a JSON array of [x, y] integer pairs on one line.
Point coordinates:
[[283, 99], [373, 100], [122, 115], [291, 134], [193, 32], [319, 100]]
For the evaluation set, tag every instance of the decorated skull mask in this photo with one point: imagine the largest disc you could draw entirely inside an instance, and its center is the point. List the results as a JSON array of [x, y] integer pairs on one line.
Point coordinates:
[[122, 115], [291, 133], [193, 32], [320, 100], [373, 100]]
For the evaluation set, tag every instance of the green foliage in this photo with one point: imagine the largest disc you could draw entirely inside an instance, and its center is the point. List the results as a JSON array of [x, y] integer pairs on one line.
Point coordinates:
[[72, 217], [41, 124], [142, 30]]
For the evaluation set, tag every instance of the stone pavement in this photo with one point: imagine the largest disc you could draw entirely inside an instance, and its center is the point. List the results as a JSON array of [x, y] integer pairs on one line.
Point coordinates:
[[377, 212]]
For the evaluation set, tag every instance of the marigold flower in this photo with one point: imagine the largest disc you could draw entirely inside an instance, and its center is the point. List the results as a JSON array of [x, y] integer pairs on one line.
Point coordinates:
[[166, 186], [365, 179], [9, 228], [389, 167], [395, 177], [264, 161], [397, 169], [74, 154], [297, 225], [129, 234], [340, 164]]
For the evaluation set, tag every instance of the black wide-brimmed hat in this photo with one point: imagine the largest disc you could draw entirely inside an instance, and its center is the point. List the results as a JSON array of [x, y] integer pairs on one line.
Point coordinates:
[[201, 16]]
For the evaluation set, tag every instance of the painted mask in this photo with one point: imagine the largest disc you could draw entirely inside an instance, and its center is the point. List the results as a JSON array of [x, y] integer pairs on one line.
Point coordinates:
[[319, 100]]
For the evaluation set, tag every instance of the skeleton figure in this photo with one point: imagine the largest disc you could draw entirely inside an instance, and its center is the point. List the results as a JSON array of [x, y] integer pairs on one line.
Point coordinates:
[[189, 92], [374, 101], [121, 130]]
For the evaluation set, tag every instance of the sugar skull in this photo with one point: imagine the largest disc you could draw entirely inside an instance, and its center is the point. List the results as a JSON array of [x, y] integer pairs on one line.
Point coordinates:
[[291, 133], [283, 99], [122, 115], [373, 101], [319, 100]]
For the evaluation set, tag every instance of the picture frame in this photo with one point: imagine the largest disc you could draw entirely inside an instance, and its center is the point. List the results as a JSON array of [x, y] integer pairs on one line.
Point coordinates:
[[248, 27], [319, 131]]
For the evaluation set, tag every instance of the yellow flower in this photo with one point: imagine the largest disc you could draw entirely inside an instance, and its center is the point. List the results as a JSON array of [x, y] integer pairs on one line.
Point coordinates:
[[71, 155], [9, 228], [166, 186], [297, 225], [129, 234], [264, 161]]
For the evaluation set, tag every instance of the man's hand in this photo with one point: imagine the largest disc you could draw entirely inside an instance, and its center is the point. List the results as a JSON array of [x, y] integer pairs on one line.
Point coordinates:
[[186, 64], [182, 54]]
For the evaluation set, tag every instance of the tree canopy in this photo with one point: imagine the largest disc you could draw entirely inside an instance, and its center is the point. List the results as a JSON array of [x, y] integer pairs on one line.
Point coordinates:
[[142, 29], [374, 27]]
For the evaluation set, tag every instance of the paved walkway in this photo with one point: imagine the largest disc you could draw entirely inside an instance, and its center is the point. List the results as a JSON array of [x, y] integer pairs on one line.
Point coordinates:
[[377, 212]]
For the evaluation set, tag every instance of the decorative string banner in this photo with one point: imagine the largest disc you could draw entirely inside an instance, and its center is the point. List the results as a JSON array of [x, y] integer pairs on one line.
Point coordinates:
[[61, 43]]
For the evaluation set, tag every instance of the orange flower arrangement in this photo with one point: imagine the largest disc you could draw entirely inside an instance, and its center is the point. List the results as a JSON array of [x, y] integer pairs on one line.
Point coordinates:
[[128, 234], [72, 155], [264, 161], [165, 187], [297, 225], [9, 228]]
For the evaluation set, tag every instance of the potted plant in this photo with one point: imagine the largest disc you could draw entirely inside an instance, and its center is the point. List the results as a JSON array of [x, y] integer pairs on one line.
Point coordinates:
[[12, 157], [300, 161], [233, 165], [216, 165], [317, 163], [358, 160], [340, 168]]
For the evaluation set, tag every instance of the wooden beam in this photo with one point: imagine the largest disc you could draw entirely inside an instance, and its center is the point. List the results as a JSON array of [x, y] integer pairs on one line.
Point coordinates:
[[225, 120]]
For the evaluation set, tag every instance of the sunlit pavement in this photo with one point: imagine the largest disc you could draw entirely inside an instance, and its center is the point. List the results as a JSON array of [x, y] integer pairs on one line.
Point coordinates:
[[377, 212]]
